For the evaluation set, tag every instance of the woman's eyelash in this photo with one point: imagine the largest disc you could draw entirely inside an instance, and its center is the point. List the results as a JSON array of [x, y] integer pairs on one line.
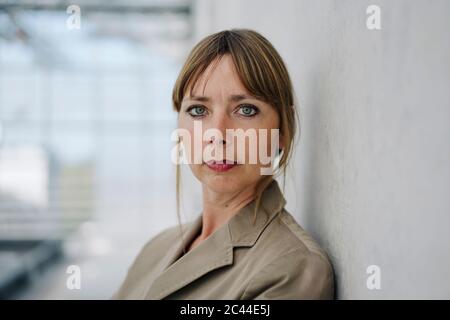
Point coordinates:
[[240, 107], [254, 108], [189, 109]]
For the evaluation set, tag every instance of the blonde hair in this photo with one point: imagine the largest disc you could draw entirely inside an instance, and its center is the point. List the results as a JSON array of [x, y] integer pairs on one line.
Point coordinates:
[[262, 72]]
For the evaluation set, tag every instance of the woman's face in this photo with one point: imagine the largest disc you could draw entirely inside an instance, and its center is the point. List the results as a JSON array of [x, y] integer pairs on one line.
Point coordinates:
[[219, 102]]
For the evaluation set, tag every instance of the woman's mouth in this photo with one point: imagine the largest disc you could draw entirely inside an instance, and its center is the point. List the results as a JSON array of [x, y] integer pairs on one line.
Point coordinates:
[[221, 165]]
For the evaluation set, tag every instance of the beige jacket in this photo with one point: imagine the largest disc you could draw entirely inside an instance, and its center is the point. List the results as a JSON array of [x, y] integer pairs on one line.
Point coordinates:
[[273, 259]]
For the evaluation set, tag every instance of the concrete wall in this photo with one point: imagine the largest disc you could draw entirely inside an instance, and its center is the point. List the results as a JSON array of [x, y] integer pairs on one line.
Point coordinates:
[[372, 169]]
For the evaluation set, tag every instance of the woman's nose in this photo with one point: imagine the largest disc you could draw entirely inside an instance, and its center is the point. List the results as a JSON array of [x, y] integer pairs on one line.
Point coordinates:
[[220, 140], [221, 123]]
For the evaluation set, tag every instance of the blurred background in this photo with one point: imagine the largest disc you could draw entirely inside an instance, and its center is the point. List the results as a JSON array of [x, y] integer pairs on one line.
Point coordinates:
[[86, 118]]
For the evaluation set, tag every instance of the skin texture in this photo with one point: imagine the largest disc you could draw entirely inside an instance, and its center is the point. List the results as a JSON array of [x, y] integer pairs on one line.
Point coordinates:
[[224, 193]]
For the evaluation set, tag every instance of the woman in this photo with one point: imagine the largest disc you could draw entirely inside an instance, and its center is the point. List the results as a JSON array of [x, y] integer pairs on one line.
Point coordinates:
[[244, 244]]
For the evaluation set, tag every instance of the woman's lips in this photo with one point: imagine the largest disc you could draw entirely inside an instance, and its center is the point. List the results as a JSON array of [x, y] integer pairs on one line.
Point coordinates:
[[221, 166]]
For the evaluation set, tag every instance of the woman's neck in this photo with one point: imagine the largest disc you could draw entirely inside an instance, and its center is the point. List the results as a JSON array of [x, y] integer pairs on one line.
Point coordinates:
[[218, 208]]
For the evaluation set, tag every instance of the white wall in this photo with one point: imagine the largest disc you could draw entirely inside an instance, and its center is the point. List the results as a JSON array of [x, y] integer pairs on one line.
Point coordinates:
[[372, 171]]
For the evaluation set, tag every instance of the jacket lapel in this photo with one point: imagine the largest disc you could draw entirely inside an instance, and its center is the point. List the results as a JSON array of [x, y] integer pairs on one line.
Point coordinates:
[[217, 250], [243, 231]]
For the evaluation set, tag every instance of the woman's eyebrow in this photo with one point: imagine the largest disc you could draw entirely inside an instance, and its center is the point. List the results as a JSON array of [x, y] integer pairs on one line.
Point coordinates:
[[239, 97], [232, 98]]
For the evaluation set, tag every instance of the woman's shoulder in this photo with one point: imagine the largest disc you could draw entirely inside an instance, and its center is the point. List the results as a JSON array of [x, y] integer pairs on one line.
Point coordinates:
[[297, 236], [285, 238], [162, 239], [147, 259], [292, 265]]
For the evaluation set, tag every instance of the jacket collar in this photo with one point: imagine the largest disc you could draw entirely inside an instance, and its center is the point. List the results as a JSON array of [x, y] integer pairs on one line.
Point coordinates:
[[242, 230], [217, 250]]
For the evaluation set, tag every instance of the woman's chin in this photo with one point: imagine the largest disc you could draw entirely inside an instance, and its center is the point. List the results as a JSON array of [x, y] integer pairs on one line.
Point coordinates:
[[223, 183]]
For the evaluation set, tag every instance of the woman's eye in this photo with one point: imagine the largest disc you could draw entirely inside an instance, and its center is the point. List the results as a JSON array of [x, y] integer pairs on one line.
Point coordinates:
[[248, 110], [196, 111]]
